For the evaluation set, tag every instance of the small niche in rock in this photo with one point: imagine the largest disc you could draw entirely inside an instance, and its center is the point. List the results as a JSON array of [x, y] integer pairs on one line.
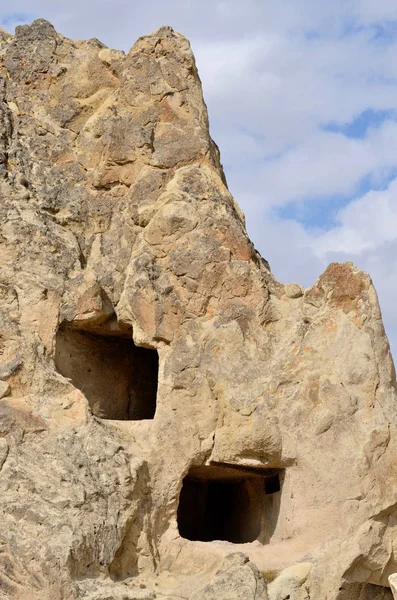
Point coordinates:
[[229, 503], [118, 378]]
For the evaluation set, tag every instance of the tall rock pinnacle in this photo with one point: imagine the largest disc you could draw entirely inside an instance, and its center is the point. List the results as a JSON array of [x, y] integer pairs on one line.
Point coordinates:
[[174, 422]]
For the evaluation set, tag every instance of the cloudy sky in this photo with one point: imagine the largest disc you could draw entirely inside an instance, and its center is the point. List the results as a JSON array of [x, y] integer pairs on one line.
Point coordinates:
[[302, 98]]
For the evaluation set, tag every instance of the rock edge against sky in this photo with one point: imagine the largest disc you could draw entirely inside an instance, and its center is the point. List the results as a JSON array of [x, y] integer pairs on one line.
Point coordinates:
[[120, 241]]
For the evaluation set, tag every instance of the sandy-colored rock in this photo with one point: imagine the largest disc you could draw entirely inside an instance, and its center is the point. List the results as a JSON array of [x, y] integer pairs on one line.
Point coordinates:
[[293, 290], [238, 579], [170, 402], [393, 584], [290, 582], [4, 389]]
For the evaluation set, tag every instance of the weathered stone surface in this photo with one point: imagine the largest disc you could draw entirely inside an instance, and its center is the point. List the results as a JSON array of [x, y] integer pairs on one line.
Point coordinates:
[[238, 579], [277, 402], [4, 389], [393, 584], [291, 582]]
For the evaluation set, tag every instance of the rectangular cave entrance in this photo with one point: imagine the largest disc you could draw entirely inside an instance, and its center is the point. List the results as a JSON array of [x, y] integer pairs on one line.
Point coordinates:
[[222, 502], [118, 378]]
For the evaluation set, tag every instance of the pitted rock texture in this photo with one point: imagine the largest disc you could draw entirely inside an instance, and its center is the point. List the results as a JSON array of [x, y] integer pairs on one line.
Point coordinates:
[[238, 579], [117, 227]]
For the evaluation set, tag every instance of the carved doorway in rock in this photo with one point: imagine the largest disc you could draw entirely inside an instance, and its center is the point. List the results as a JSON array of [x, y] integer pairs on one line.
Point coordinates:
[[118, 378], [222, 502]]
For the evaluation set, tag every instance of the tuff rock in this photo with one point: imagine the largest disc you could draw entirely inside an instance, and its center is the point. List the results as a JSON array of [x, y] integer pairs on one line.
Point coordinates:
[[165, 402]]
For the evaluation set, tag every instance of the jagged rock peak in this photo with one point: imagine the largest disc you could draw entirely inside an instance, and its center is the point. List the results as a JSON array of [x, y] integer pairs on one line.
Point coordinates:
[[165, 402]]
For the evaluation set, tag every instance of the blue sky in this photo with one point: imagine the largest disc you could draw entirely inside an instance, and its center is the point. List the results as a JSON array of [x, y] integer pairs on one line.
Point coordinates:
[[302, 98]]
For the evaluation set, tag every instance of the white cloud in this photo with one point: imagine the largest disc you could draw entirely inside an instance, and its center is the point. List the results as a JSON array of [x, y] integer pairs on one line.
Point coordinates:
[[285, 88], [327, 164], [365, 224], [380, 11]]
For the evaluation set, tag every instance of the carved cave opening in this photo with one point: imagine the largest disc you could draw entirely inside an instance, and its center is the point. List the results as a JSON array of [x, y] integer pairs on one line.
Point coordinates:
[[118, 378], [228, 503]]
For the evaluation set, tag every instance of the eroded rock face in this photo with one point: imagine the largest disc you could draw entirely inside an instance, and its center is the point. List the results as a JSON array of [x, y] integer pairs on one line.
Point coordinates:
[[117, 229], [238, 579]]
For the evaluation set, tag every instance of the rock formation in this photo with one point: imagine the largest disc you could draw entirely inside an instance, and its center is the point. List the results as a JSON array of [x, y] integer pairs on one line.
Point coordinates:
[[166, 405]]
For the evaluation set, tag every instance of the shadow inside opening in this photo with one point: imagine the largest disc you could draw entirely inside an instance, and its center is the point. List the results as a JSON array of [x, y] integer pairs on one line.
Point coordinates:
[[222, 503], [118, 378]]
